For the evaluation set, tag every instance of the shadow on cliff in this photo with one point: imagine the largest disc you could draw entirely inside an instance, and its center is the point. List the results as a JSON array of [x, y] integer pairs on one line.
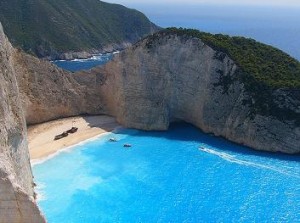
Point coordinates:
[[106, 123], [187, 132]]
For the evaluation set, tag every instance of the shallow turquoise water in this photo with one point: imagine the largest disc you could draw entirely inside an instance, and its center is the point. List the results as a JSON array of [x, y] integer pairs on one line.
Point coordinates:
[[165, 177]]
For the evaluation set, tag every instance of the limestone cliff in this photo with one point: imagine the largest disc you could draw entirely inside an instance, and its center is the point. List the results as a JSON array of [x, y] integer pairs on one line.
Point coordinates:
[[148, 86], [172, 77], [164, 79], [17, 202], [47, 92]]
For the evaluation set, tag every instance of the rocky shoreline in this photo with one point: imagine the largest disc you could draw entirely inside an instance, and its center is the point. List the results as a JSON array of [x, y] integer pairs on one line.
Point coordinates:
[[71, 55]]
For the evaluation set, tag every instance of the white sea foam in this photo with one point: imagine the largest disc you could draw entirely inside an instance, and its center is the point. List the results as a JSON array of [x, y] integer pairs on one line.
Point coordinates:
[[96, 57], [53, 61], [79, 60], [40, 196], [93, 57], [233, 159]]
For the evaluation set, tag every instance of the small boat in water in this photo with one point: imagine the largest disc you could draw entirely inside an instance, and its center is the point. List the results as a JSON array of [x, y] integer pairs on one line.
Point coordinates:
[[127, 145], [113, 140]]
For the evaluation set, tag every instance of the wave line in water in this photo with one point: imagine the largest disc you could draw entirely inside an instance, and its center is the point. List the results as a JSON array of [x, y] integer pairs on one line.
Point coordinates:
[[233, 159]]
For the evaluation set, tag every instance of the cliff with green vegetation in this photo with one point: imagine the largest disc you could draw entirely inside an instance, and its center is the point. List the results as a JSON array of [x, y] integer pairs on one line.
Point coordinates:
[[263, 69], [233, 87], [262, 63], [54, 27], [174, 75]]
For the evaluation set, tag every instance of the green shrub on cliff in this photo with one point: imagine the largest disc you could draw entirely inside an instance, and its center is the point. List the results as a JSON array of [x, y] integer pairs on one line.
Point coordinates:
[[45, 27], [257, 62]]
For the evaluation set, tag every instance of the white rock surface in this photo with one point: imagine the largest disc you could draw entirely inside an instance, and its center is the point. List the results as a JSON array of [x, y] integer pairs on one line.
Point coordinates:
[[174, 78], [156, 82], [16, 186]]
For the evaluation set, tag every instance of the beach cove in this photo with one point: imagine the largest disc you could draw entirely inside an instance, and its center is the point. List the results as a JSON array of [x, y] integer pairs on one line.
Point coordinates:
[[41, 136]]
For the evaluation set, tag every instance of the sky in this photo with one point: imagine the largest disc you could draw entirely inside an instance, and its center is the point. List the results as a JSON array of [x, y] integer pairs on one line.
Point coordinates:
[[274, 22], [223, 2]]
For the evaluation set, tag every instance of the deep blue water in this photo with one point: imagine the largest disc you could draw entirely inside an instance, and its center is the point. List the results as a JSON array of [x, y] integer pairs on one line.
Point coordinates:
[[273, 25], [165, 177], [84, 64], [276, 26]]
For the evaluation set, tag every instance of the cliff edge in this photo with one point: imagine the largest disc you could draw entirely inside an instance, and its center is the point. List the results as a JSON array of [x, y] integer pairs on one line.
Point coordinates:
[[48, 92], [175, 75], [17, 202], [207, 80]]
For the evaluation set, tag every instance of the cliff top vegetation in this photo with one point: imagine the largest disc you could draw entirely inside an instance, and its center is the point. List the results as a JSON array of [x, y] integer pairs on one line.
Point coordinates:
[[45, 27], [267, 65]]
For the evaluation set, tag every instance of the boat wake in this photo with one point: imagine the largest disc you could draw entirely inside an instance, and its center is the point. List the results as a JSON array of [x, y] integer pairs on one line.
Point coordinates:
[[233, 159]]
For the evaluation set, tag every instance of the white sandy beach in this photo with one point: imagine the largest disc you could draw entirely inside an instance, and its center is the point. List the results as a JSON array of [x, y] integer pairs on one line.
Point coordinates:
[[41, 137]]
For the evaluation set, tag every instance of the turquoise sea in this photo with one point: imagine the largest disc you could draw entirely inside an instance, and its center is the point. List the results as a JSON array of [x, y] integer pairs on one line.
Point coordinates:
[[181, 175]]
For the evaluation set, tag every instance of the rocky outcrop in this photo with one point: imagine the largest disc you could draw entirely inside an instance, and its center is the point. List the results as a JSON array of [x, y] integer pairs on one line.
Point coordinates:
[[87, 54], [158, 81], [161, 80], [47, 92], [17, 202], [171, 78]]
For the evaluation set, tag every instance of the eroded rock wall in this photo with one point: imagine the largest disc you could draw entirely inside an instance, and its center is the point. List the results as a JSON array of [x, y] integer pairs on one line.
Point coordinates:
[[17, 202], [47, 92], [158, 81], [181, 78]]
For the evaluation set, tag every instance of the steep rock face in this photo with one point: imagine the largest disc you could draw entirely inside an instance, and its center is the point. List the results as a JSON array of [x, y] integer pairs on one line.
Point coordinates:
[[16, 186], [158, 81], [180, 78], [47, 92]]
